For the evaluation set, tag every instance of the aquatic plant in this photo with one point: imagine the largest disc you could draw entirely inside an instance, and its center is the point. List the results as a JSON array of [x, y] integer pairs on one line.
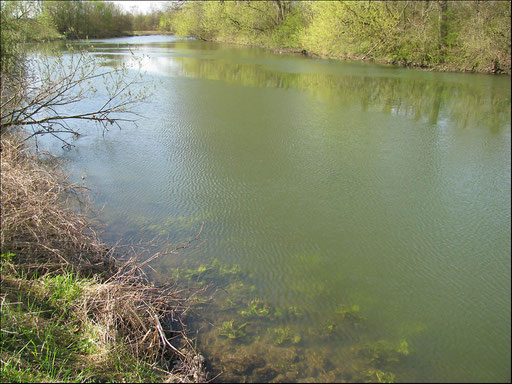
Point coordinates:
[[255, 308], [236, 292], [196, 274], [212, 271], [231, 330], [346, 312], [283, 335], [343, 318], [311, 290], [294, 311], [403, 348], [384, 351], [172, 224], [229, 269], [378, 376], [278, 313], [237, 289], [228, 303], [329, 327]]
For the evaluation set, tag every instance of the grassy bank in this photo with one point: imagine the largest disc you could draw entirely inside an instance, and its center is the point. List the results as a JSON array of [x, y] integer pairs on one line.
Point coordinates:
[[69, 311]]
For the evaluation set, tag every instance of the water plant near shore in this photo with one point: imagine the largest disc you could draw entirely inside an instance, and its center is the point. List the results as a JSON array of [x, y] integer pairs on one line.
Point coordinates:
[[284, 335], [232, 330], [255, 308], [384, 351], [378, 376], [242, 327], [265, 338]]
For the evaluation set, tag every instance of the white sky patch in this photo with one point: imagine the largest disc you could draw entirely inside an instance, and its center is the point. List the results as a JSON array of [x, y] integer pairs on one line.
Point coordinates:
[[140, 6]]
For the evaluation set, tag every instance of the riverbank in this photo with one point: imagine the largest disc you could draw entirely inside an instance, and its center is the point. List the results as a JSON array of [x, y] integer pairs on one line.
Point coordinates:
[[70, 311], [442, 36], [148, 33], [441, 67]]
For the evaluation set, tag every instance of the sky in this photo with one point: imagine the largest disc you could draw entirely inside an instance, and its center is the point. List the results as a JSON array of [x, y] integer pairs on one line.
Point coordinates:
[[140, 6]]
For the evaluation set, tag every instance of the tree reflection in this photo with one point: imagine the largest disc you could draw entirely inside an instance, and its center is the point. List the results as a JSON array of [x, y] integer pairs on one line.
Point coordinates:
[[482, 103]]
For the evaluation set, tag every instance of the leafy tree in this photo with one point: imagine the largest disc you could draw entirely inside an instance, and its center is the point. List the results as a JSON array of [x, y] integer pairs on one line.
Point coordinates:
[[470, 35], [87, 19]]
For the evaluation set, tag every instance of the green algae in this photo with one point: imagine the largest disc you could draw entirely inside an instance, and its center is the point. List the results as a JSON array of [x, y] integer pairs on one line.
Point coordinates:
[[255, 308], [285, 335], [385, 351], [232, 330]]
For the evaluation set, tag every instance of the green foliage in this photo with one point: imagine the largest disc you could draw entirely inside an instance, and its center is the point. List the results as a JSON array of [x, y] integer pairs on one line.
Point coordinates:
[[255, 308], [384, 351], [232, 330], [87, 19], [146, 22], [466, 35], [63, 289], [285, 335], [287, 34], [13, 16], [7, 257]]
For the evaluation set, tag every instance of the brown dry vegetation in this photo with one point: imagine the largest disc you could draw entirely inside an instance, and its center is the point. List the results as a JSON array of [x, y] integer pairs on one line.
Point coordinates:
[[116, 301], [36, 226]]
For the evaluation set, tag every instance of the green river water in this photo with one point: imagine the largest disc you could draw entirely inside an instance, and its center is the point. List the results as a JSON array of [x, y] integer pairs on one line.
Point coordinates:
[[356, 217]]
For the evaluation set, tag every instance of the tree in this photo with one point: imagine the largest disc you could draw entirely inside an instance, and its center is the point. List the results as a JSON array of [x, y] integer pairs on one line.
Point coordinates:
[[87, 19], [36, 92], [37, 96], [13, 15]]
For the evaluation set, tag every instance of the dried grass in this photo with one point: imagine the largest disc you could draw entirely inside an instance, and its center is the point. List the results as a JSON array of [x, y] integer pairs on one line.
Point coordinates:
[[35, 223], [48, 237]]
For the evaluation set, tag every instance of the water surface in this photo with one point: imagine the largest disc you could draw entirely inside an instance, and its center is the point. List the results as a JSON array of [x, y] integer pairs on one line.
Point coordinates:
[[330, 185]]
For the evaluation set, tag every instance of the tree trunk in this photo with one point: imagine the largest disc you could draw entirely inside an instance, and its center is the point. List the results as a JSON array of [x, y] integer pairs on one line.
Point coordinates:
[[443, 27]]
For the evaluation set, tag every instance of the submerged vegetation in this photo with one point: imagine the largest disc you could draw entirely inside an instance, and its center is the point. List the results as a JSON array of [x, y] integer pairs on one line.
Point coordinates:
[[248, 339]]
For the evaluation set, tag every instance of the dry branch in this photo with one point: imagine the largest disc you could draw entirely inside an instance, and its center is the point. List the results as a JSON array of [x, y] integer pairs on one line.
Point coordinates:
[[39, 93]]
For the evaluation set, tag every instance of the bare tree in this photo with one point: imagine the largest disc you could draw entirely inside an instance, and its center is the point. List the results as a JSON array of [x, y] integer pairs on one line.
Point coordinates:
[[44, 94]]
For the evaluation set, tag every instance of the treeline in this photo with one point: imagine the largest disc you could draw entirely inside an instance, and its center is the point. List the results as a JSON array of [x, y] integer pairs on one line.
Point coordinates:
[[25, 21], [452, 35], [78, 19], [95, 19], [467, 35], [82, 19]]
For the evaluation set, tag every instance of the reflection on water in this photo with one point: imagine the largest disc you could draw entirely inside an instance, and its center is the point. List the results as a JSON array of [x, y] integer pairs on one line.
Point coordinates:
[[356, 216], [480, 102], [465, 104]]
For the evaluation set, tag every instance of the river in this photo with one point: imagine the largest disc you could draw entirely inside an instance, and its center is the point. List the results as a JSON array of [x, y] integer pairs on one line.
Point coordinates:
[[356, 217]]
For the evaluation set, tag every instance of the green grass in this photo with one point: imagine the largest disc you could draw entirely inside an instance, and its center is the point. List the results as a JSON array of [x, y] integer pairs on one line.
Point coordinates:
[[43, 337]]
